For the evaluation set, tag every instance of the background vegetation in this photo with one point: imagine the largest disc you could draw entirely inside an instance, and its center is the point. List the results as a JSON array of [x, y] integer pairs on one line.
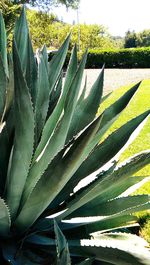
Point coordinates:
[[48, 29], [139, 39], [119, 58]]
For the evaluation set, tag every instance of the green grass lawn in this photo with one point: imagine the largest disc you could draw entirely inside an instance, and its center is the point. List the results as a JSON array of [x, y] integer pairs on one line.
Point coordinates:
[[139, 104]]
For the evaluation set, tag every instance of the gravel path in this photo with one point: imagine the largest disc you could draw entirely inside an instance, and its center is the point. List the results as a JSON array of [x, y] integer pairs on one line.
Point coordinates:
[[115, 78]]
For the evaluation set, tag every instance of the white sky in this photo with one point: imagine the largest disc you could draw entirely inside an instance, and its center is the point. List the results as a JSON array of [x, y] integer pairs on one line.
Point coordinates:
[[117, 15]]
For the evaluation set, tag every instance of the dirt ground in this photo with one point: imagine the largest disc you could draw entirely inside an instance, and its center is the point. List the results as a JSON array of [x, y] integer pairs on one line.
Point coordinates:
[[115, 78]]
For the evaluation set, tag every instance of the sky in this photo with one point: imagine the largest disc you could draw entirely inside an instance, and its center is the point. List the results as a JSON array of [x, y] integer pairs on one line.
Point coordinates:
[[117, 15]]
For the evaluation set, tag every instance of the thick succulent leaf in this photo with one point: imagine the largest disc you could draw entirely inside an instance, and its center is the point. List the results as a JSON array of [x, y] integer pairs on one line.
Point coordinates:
[[45, 56], [31, 72], [21, 34], [3, 45], [52, 165], [57, 141], [43, 224], [26, 54], [40, 240], [24, 138], [133, 164], [105, 97], [106, 150], [9, 252], [87, 108], [120, 238], [124, 205], [4, 219], [63, 256], [14, 257], [46, 225], [86, 262], [30, 258], [55, 95], [2, 125], [53, 119], [6, 142], [114, 250], [102, 225], [121, 187], [10, 85], [42, 98], [119, 105], [101, 155], [3, 84], [83, 93], [104, 184], [57, 173], [60, 239], [57, 62], [71, 70]]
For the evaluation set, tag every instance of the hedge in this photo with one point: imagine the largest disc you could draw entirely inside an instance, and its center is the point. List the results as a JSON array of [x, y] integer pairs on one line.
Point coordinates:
[[123, 58]]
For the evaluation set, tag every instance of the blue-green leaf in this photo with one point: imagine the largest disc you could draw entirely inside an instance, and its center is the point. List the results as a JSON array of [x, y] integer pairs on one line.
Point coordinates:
[[102, 225], [26, 54], [57, 141], [42, 98], [124, 205], [45, 56], [6, 142], [3, 85], [3, 45], [24, 139], [87, 108], [104, 185], [86, 262], [116, 248], [57, 173], [53, 119], [63, 256], [101, 155], [10, 85], [57, 62], [5, 221], [40, 240]]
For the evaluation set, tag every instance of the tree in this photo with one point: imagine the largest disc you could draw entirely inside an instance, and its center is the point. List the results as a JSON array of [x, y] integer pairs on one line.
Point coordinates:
[[47, 28], [11, 8], [137, 39], [10, 12], [130, 39], [143, 38], [49, 3]]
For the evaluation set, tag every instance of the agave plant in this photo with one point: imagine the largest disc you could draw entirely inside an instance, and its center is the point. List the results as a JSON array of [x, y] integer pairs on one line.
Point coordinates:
[[51, 140]]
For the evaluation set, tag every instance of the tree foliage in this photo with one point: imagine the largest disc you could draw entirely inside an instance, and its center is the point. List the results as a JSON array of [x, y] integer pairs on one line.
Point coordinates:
[[45, 28], [11, 8], [10, 12], [137, 39], [143, 38], [48, 3], [130, 39]]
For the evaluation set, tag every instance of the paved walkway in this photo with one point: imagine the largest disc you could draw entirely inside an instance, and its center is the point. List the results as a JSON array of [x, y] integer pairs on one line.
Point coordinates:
[[115, 78]]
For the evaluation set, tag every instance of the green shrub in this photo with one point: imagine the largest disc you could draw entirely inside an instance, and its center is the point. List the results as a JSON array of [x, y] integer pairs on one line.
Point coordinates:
[[124, 58]]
